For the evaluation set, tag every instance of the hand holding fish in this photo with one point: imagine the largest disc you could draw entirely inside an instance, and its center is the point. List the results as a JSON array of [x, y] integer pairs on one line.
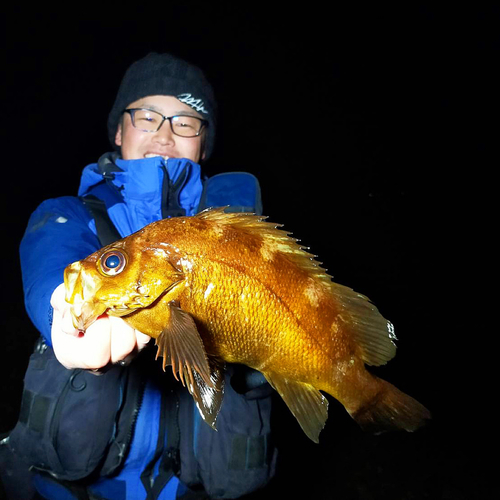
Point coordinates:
[[109, 340]]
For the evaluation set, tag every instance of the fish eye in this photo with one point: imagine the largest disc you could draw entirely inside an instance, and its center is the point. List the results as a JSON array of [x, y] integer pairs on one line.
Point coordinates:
[[112, 262]]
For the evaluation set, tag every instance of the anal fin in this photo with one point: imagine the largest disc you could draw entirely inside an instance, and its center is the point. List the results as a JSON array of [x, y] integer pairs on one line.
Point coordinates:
[[306, 403]]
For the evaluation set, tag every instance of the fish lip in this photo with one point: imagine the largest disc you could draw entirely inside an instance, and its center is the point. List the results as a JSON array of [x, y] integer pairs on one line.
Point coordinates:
[[85, 313]]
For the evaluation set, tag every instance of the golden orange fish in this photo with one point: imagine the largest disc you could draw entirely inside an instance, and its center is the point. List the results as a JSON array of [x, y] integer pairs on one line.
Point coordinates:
[[228, 287]]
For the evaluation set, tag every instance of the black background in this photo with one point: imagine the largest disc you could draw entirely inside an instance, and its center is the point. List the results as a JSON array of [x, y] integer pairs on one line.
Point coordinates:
[[394, 195]]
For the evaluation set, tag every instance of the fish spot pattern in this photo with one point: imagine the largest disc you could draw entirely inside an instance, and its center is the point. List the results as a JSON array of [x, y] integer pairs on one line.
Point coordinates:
[[313, 294]]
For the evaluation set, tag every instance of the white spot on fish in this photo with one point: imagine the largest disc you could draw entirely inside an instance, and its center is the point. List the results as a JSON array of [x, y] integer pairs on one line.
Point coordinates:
[[209, 289], [61, 220], [161, 253], [186, 264], [313, 294]]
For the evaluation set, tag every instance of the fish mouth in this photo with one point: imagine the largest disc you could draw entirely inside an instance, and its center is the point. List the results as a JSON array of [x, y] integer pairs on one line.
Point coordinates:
[[80, 294]]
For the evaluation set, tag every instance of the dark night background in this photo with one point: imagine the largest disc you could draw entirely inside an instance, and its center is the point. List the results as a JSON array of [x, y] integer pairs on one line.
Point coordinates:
[[391, 196]]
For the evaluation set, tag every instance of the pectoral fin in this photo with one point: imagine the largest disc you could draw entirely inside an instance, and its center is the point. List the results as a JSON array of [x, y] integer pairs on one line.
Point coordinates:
[[306, 403], [181, 346]]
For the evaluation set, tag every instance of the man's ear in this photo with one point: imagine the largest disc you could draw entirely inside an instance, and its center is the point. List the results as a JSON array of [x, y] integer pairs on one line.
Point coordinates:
[[118, 135], [203, 145]]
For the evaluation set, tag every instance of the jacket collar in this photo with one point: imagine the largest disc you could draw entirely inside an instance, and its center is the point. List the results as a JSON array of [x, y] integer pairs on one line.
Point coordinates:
[[134, 179], [142, 186]]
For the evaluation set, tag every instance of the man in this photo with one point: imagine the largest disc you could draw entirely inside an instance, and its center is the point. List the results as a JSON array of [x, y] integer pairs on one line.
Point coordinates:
[[130, 432], [110, 340]]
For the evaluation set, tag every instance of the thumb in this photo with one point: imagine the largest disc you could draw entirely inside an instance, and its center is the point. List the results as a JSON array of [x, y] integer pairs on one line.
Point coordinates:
[[58, 298]]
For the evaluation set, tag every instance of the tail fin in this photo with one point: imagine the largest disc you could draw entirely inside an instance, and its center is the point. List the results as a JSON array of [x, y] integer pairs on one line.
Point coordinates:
[[391, 409]]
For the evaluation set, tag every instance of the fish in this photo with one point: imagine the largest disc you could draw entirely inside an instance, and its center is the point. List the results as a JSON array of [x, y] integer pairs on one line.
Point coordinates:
[[219, 287]]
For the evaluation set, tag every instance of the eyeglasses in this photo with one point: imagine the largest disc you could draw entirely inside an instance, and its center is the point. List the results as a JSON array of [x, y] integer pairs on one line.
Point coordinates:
[[151, 121]]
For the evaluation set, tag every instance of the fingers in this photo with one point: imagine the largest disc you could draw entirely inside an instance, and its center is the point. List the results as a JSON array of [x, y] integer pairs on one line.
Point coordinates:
[[142, 339], [90, 350], [107, 341], [123, 339], [126, 342], [57, 300]]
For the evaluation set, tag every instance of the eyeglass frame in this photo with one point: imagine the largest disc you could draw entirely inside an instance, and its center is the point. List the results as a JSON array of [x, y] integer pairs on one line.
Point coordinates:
[[131, 112]]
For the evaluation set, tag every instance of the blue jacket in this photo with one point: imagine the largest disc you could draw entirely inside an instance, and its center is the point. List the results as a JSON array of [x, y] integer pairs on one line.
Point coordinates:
[[61, 231]]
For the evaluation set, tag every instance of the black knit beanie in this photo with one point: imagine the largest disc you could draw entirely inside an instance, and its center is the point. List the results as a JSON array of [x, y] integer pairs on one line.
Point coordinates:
[[164, 74]]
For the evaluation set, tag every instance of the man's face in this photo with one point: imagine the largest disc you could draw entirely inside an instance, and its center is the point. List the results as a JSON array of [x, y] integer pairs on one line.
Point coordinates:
[[136, 144]]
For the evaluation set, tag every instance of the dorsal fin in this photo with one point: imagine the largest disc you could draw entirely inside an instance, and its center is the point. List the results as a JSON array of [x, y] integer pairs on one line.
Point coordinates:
[[270, 233]]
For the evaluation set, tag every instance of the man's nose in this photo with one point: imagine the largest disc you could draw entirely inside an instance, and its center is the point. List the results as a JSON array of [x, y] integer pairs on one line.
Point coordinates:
[[165, 134]]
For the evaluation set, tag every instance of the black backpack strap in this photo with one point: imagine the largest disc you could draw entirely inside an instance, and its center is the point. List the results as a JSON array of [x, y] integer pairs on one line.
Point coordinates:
[[106, 230], [167, 447], [133, 394], [170, 194]]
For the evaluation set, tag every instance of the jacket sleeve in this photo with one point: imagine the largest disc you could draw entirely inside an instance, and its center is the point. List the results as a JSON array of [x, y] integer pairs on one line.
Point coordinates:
[[57, 234]]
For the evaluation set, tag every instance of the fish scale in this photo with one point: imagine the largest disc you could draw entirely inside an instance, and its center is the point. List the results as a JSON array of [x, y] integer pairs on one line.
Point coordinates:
[[222, 287], [230, 330]]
